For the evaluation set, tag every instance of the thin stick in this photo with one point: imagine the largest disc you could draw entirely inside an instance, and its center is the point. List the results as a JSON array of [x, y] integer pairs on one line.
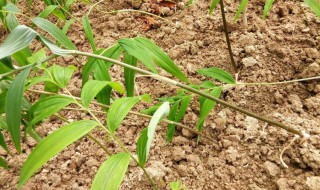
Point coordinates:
[[285, 148], [225, 27]]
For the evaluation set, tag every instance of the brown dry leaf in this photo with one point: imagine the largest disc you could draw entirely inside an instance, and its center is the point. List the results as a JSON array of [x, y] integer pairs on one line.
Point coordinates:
[[149, 22], [169, 4]]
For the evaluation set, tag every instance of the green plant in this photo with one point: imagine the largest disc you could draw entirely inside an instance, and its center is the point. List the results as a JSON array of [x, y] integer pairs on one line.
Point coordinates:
[[16, 79]]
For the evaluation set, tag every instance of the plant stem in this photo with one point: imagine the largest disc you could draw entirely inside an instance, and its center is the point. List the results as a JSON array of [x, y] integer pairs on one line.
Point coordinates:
[[173, 82], [225, 28], [275, 83], [120, 143]]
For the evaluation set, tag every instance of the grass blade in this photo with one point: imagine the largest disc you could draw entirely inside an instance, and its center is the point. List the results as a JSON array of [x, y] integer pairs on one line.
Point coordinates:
[[147, 135], [242, 6], [314, 5], [267, 8], [54, 31], [213, 5], [111, 172], [3, 142], [17, 40], [93, 87], [129, 74], [46, 107], [88, 30], [119, 109], [49, 147], [218, 74], [13, 107]]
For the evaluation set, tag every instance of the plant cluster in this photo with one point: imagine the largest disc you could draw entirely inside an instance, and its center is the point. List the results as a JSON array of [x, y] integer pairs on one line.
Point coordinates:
[[21, 69]]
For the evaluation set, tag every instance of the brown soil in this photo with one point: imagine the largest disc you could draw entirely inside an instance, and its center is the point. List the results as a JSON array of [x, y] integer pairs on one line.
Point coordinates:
[[246, 152]]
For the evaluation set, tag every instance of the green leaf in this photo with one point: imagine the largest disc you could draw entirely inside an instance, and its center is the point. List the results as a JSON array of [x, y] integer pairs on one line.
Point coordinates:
[[53, 47], [111, 172], [3, 163], [88, 30], [129, 74], [267, 8], [13, 106], [171, 117], [46, 107], [68, 4], [17, 40], [21, 56], [67, 25], [55, 32], [206, 106], [161, 58], [52, 145], [189, 3], [176, 185], [12, 21], [185, 101], [213, 5], [119, 109], [207, 84], [218, 74], [132, 47], [147, 135], [3, 142], [37, 57], [314, 5], [62, 75], [242, 6], [93, 87], [47, 11]]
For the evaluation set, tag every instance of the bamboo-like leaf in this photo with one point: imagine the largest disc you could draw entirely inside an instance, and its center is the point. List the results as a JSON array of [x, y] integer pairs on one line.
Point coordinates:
[[67, 25], [161, 58], [68, 4], [2, 141], [185, 101], [47, 11], [314, 5], [131, 47], [62, 75], [172, 116], [46, 107], [111, 172], [12, 21], [206, 106], [267, 8], [242, 6], [88, 30], [129, 74], [21, 57], [207, 84], [147, 135], [3, 163], [52, 145], [119, 110], [53, 47], [37, 57], [55, 32], [93, 87], [13, 107], [17, 40], [213, 5], [218, 74]]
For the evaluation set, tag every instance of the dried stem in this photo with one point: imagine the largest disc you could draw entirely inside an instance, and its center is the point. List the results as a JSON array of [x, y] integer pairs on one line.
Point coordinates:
[[225, 28]]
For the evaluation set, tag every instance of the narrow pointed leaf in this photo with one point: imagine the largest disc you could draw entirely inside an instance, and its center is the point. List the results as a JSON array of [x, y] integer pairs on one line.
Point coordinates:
[[13, 107], [21, 57], [161, 58], [129, 74], [52, 145], [46, 107], [147, 135], [213, 5], [47, 11], [88, 30], [171, 117], [67, 25], [242, 6], [119, 110], [18, 39], [93, 87], [54, 48], [3, 163], [54, 31], [3, 142], [267, 8], [62, 75], [218, 74], [111, 172], [314, 5]]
